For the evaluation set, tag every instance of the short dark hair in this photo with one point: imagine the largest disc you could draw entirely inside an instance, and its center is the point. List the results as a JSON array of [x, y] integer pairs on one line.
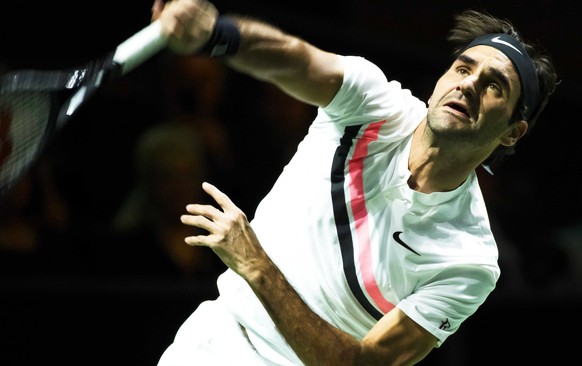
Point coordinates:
[[471, 24]]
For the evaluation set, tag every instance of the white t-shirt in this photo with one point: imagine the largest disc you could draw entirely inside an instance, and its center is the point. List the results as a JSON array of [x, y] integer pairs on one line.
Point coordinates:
[[350, 235]]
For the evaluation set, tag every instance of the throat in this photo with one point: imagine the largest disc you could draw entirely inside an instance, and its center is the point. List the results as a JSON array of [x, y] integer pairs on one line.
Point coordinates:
[[435, 173], [434, 168], [427, 178]]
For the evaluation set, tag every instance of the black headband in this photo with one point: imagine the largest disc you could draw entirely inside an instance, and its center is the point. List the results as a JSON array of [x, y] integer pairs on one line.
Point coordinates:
[[524, 65]]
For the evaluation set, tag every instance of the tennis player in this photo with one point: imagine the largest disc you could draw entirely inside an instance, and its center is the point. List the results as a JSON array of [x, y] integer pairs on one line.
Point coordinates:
[[374, 244]]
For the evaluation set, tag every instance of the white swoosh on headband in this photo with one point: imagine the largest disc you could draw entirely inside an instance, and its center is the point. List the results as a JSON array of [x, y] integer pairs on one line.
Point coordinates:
[[497, 40]]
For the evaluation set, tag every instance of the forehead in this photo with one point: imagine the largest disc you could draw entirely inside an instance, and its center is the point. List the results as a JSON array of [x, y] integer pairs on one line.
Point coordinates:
[[492, 58]]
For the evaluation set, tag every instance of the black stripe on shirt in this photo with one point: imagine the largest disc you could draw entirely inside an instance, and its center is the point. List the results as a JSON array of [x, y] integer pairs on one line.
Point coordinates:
[[342, 220]]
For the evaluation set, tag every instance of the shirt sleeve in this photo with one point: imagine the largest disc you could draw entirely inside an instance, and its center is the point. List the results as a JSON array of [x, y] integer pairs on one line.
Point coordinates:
[[367, 96], [451, 297]]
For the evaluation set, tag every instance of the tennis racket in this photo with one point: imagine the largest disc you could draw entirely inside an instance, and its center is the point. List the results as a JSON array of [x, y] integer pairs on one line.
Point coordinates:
[[34, 104]]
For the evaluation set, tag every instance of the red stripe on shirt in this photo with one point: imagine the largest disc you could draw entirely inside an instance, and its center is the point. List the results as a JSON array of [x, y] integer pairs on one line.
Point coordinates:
[[360, 212]]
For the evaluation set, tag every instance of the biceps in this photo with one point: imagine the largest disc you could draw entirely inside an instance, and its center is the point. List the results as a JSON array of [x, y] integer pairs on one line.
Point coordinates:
[[397, 339]]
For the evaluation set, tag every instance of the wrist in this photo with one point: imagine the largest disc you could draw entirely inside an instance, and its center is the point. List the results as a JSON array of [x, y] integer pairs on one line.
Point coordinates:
[[224, 40]]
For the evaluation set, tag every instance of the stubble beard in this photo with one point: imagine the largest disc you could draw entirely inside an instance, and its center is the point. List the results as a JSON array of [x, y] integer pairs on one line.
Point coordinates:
[[444, 130]]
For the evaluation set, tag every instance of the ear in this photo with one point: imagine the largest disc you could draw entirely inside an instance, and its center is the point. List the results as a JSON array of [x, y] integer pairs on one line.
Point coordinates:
[[516, 131]]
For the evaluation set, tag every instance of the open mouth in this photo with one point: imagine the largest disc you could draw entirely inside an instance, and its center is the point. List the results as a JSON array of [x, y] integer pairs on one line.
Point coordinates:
[[458, 107]]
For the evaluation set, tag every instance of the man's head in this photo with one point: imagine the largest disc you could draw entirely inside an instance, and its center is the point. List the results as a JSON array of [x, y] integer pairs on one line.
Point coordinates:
[[519, 61], [472, 106]]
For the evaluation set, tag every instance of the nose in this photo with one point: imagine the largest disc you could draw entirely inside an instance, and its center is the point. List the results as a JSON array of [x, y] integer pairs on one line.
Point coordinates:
[[468, 86]]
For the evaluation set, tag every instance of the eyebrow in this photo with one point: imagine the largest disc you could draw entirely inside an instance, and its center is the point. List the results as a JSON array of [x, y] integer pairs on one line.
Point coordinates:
[[496, 73]]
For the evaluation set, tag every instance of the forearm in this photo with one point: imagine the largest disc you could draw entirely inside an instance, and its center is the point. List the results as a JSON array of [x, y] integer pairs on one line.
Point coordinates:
[[265, 52], [295, 66], [255, 48], [232, 238], [315, 341]]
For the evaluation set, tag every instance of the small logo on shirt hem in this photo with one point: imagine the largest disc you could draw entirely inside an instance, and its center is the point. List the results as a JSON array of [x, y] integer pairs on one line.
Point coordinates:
[[445, 324]]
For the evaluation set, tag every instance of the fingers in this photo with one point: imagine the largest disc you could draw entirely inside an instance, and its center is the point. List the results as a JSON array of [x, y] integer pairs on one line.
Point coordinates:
[[199, 240], [201, 219], [176, 20], [203, 209], [188, 23], [157, 8], [205, 217], [222, 199]]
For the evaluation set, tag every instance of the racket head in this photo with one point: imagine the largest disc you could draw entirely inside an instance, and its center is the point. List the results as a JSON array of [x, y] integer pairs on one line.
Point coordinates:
[[35, 104]]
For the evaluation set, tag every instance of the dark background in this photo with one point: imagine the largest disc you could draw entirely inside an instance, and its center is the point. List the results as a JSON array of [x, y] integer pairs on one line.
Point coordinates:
[[81, 316]]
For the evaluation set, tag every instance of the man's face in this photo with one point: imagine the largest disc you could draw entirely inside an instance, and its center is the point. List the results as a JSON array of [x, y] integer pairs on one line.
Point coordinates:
[[474, 100]]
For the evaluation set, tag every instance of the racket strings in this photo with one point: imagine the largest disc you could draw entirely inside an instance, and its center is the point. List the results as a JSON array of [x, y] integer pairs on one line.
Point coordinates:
[[24, 126]]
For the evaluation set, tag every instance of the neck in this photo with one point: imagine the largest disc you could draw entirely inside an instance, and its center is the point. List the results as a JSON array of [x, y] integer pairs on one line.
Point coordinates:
[[437, 168]]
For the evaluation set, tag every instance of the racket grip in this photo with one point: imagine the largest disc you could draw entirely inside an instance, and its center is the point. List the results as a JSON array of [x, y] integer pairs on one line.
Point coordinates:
[[140, 47]]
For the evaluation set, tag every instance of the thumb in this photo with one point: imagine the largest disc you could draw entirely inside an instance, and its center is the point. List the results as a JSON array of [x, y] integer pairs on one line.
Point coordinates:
[[157, 8]]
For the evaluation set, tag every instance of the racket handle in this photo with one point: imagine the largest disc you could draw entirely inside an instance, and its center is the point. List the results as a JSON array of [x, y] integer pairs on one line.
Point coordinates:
[[140, 47]]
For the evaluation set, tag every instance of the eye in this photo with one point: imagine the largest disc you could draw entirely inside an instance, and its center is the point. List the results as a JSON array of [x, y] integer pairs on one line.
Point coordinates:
[[494, 86], [462, 71]]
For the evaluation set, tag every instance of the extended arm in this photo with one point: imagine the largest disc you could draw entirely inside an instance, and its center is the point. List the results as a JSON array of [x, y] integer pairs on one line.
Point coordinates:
[[394, 340], [312, 76], [265, 52]]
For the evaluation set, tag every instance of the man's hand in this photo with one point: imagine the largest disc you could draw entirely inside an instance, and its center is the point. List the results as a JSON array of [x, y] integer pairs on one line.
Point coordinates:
[[229, 235], [188, 24]]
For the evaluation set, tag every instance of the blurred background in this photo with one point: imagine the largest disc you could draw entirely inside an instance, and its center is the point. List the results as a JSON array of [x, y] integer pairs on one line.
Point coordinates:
[[93, 268]]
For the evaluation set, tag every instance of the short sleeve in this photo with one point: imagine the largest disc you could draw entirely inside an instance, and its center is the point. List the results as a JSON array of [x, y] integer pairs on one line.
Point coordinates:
[[445, 302]]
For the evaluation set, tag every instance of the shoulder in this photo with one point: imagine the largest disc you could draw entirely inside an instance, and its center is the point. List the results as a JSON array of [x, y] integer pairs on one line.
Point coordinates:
[[367, 95], [359, 70]]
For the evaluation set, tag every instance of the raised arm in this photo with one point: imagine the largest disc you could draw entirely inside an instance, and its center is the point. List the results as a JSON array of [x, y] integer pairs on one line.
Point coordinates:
[[265, 52]]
